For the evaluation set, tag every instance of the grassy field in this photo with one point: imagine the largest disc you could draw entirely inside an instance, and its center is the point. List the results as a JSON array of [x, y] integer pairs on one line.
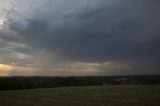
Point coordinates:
[[132, 95]]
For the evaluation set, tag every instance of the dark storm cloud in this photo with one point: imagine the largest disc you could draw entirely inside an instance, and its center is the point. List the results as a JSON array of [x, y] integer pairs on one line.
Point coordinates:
[[109, 31]]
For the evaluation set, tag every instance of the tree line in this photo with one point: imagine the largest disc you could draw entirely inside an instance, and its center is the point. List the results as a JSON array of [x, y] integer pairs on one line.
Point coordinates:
[[15, 83]]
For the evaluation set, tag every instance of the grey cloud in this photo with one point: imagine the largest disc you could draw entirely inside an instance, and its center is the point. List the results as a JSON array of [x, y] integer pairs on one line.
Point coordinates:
[[86, 30]]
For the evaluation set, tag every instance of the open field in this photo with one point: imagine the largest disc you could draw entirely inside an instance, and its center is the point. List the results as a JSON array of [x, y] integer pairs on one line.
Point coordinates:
[[131, 95]]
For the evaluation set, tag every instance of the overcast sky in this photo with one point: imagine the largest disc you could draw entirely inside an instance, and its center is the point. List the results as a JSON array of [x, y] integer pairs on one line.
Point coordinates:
[[79, 37]]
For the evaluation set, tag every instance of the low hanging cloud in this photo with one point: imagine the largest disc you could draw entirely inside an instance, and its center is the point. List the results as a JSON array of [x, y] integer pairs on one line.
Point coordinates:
[[11, 70], [82, 35]]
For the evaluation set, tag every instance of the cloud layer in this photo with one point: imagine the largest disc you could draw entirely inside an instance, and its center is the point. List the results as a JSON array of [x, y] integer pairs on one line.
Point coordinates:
[[55, 35]]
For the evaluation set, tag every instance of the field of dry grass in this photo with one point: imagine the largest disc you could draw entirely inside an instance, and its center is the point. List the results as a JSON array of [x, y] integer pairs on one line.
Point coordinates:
[[125, 95]]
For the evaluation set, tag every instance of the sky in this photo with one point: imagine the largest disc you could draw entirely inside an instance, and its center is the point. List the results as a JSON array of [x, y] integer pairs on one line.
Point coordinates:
[[79, 37]]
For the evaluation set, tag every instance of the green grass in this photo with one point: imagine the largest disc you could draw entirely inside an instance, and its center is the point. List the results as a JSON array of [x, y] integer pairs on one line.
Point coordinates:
[[131, 95]]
